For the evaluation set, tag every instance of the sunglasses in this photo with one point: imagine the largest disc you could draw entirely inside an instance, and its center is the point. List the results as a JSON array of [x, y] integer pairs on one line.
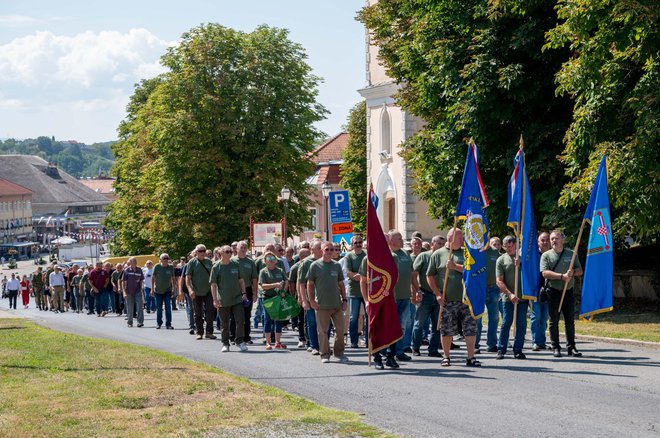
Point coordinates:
[[228, 252], [357, 243], [165, 258], [201, 250], [270, 259], [328, 249]]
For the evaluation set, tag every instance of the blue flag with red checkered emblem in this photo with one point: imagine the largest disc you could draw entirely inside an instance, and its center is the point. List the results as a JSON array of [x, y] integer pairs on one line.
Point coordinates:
[[598, 285]]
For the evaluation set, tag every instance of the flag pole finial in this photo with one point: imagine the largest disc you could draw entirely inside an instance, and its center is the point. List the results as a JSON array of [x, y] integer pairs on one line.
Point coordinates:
[[522, 142]]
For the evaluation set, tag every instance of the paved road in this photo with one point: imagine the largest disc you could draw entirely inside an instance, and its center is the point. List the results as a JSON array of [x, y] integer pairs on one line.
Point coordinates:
[[613, 391]]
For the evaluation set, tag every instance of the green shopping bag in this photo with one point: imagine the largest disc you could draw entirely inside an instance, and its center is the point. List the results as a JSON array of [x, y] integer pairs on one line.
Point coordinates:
[[282, 306]]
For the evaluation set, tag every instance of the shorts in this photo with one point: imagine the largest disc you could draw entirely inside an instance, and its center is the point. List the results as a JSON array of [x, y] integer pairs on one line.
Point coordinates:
[[47, 292], [453, 312]]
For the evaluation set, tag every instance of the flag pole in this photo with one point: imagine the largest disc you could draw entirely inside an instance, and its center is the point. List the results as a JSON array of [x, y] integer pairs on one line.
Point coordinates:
[[570, 267], [520, 227]]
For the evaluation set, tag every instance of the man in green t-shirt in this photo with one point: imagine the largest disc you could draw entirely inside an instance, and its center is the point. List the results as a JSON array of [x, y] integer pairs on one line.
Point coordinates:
[[315, 247], [505, 271], [228, 290], [555, 265], [115, 280], [405, 289], [352, 261], [87, 288], [162, 284], [293, 289], [492, 300], [198, 272], [38, 288], [250, 276], [428, 305], [450, 262], [327, 296]]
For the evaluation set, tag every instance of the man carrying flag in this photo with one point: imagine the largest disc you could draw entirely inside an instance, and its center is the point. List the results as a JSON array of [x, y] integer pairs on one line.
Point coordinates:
[[597, 288], [378, 275], [471, 206]]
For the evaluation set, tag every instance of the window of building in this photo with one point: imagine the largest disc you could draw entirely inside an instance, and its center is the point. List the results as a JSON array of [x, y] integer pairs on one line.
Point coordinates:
[[313, 214], [385, 133]]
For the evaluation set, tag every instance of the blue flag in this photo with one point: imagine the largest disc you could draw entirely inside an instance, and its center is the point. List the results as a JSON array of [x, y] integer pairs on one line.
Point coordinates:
[[472, 204], [521, 219], [598, 284]]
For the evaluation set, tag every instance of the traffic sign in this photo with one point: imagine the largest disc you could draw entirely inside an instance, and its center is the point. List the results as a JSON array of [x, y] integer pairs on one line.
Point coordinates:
[[340, 208], [343, 228]]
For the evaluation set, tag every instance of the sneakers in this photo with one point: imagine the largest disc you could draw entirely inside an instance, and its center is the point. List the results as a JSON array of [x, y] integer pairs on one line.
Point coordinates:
[[520, 356], [192, 331], [477, 351], [242, 346], [536, 348], [158, 326], [343, 359], [492, 349], [354, 346], [408, 350], [572, 351], [403, 357], [140, 325], [199, 337], [301, 344], [225, 349], [500, 355], [556, 352], [169, 327], [325, 360], [310, 349], [391, 363], [130, 325], [315, 352], [378, 364], [280, 346], [211, 336], [416, 352]]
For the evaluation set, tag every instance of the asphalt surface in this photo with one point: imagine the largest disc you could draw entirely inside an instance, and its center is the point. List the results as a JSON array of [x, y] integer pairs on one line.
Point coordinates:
[[613, 390]]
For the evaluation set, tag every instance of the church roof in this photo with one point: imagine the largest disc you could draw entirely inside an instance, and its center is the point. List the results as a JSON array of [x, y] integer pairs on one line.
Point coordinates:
[[331, 149]]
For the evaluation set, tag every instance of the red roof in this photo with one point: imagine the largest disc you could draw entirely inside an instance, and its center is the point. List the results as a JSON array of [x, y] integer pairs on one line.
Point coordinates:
[[331, 173], [9, 188], [99, 185], [330, 150]]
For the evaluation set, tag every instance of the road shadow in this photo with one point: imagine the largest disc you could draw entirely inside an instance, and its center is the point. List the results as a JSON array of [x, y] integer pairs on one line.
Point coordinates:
[[555, 371], [96, 369], [604, 360]]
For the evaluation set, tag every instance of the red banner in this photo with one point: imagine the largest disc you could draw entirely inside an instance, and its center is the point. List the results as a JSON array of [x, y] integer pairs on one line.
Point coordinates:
[[382, 275]]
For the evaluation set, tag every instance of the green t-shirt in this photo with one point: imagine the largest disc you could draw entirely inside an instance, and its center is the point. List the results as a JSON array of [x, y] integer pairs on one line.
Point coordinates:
[[267, 276], [352, 263], [114, 280], [363, 267], [47, 279], [506, 267], [227, 277], [303, 270], [550, 258], [491, 259], [199, 276], [405, 268], [248, 269], [84, 281], [75, 281], [421, 265], [163, 278], [437, 267], [326, 277], [37, 281], [293, 277]]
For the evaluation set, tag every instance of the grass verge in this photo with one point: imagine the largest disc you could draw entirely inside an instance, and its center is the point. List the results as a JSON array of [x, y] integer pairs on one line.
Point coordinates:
[[641, 326], [56, 384]]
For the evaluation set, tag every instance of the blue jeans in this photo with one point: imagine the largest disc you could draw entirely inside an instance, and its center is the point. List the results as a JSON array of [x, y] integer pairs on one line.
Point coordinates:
[[353, 329], [259, 313], [149, 301], [403, 309], [102, 301], [312, 335], [189, 311], [408, 331], [538, 321], [493, 310], [428, 307], [521, 327], [89, 299], [165, 298]]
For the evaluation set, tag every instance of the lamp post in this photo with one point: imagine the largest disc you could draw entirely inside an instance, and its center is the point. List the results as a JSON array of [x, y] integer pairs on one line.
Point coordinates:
[[326, 188], [285, 194]]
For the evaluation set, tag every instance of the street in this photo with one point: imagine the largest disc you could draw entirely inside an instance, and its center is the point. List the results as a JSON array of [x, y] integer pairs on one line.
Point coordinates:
[[614, 390]]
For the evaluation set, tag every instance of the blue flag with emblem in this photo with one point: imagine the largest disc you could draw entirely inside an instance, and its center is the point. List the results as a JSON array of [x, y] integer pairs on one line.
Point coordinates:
[[521, 219], [471, 206], [598, 283]]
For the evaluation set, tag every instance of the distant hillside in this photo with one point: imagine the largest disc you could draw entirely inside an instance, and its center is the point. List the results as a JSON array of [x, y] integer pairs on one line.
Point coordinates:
[[77, 159]]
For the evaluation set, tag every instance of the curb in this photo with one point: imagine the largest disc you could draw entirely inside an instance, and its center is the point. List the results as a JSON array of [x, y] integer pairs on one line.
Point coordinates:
[[622, 341]]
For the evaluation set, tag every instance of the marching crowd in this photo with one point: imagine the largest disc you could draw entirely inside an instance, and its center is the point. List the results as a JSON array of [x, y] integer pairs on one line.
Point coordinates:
[[225, 289]]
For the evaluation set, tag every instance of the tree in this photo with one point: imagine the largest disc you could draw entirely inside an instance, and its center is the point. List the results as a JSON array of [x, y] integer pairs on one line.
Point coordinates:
[[209, 144], [476, 69], [613, 78], [353, 171]]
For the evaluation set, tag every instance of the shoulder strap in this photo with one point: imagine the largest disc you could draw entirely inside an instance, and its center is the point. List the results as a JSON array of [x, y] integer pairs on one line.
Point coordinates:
[[558, 260]]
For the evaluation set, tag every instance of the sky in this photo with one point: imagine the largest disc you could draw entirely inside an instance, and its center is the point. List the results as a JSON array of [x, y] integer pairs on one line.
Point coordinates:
[[68, 68]]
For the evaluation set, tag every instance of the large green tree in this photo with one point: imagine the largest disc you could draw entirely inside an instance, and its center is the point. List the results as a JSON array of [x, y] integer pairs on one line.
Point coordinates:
[[475, 68], [614, 78], [354, 168], [210, 143]]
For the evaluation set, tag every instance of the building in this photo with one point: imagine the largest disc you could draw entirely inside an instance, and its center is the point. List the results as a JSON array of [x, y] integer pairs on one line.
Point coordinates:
[[103, 185], [328, 158], [15, 220], [387, 127], [59, 201]]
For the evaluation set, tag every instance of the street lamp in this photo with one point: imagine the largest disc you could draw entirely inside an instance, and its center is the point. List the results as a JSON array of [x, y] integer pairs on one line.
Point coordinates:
[[285, 194], [326, 188]]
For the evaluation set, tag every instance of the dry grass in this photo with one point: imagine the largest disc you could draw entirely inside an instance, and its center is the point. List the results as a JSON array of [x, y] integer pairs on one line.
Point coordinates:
[[56, 384]]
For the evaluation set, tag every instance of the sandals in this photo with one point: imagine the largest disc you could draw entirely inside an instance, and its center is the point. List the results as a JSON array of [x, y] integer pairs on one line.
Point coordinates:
[[472, 362], [445, 362], [269, 347]]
